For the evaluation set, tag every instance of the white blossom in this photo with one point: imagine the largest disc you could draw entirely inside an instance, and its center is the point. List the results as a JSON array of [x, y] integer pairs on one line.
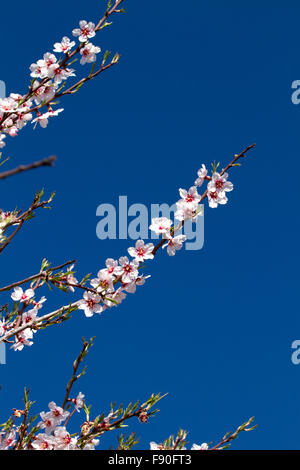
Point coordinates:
[[219, 184], [88, 53], [111, 266], [7, 439], [2, 327], [19, 295], [62, 439], [85, 31], [215, 198], [2, 137], [174, 244], [91, 445], [29, 315], [43, 442], [79, 402], [127, 270], [160, 225], [104, 282], [184, 212], [189, 198], [90, 304], [64, 46], [23, 339], [202, 173], [42, 119], [141, 252], [71, 279], [203, 446]]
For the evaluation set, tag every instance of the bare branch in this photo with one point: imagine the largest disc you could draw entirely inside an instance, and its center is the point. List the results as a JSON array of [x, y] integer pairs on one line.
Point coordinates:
[[36, 276], [49, 161], [19, 221]]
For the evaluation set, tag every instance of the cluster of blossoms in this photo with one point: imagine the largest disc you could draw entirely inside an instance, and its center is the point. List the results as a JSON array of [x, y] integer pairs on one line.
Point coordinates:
[[26, 298], [55, 435], [51, 432], [105, 294], [49, 75], [118, 278], [217, 186], [124, 272]]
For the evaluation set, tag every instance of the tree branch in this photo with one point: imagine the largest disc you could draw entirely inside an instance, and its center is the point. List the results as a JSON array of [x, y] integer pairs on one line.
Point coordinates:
[[49, 161], [36, 276], [204, 195], [36, 322], [19, 221]]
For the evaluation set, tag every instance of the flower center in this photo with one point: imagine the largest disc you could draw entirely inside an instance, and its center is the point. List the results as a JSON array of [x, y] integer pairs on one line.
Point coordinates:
[[67, 440], [85, 32]]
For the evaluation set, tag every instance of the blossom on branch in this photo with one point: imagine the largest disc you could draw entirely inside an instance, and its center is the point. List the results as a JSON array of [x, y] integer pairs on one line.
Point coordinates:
[[23, 339], [127, 270], [189, 198], [141, 252], [202, 173], [64, 46], [42, 119], [85, 31], [88, 53], [20, 295], [160, 225], [203, 446], [217, 189], [174, 243], [90, 304]]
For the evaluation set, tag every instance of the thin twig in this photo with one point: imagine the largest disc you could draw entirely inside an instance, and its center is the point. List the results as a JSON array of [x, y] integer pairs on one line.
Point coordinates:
[[232, 435], [76, 364], [21, 219], [36, 276]]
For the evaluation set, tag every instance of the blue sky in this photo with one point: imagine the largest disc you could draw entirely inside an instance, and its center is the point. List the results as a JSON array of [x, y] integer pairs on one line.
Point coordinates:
[[214, 327]]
